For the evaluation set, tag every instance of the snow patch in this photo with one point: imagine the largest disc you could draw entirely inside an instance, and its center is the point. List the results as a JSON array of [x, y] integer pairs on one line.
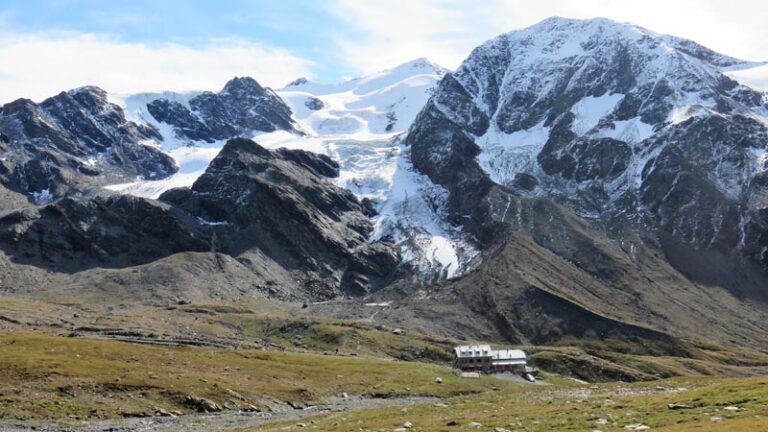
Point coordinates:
[[202, 221], [42, 197], [503, 156], [631, 131], [192, 162], [590, 110]]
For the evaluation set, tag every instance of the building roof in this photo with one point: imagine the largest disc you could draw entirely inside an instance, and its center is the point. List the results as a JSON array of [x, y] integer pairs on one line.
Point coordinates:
[[472, 351], [509, 354], [501, 357]]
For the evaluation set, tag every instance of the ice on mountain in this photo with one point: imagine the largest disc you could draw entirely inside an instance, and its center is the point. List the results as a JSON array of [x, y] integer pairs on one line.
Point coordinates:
[[589, 111], [630, 131], [357, 124], [503, 155]]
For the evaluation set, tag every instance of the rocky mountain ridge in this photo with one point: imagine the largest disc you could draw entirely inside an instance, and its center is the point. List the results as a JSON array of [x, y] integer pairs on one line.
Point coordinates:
[[277, 213], [72, 141], [242, 107]]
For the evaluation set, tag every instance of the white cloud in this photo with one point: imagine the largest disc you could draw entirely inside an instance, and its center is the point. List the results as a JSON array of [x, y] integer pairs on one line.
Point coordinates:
[[386, 33], [36, 66], [445, 31]]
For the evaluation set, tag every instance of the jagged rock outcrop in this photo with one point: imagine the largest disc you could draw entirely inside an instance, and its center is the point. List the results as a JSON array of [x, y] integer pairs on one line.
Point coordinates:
[[241, 107], [71, 141], [72, 235], [281, 204]]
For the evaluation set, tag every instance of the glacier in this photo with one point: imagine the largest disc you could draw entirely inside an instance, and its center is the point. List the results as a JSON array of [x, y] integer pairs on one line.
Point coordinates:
[[360, 124]]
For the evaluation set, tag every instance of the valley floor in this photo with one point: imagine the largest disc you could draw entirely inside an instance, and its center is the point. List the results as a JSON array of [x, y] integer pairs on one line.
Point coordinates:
[[690, 404], [53, 383], [274, 366]]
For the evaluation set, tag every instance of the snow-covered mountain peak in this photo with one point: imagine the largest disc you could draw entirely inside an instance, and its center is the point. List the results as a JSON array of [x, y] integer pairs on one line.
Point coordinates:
[[564, 37], [607, 117], [382, 103], [413, 69], [88, 90], [531, 76]]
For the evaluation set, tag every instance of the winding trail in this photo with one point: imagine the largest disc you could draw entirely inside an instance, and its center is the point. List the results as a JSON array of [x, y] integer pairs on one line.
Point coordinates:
[[218, 422]]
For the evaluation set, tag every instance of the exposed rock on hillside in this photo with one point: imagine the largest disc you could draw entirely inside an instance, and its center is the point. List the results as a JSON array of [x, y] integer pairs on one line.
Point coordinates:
[[282, 205], [73, 140], [242, 107]]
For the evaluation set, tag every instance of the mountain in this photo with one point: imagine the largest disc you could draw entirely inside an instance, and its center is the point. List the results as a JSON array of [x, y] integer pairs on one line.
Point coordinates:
[[361, 123], [358, 123], [576, 179], [73, 141], [275, 212], [241, 108], [627, 163]]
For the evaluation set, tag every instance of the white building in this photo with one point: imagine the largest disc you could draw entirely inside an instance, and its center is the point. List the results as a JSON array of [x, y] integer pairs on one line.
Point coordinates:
[[481, 358]]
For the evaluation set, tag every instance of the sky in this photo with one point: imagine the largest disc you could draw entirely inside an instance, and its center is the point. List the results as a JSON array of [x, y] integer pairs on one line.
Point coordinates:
[[47, 46]]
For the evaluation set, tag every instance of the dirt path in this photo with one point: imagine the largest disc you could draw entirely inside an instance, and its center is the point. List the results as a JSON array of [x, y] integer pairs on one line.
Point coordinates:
[[219, 422]]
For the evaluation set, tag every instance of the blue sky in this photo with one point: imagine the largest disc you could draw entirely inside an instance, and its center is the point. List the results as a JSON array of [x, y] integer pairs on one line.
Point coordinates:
[[143, 45], [304, 27]]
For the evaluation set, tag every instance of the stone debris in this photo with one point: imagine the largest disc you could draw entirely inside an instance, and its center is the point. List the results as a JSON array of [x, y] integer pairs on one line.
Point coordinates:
[[202, 404]]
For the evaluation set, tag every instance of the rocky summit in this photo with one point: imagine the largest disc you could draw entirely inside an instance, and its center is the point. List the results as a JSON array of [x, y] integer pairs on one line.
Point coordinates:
[[242, 106], [72, 141]]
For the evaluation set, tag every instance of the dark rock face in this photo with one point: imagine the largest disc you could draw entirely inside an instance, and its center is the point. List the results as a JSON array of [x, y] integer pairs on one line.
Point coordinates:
[[314, 103], [276, 212], [280, 204], [557, 278], [320, 164], [242, 107], [120, 231], [72, 140]]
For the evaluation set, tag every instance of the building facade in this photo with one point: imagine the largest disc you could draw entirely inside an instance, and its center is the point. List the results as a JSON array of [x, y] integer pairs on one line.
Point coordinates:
[[481, 358]]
